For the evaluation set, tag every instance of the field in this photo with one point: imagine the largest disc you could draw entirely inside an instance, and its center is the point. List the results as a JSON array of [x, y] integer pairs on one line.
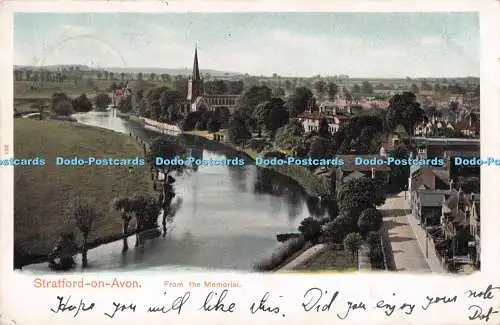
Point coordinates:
[[41, 193]]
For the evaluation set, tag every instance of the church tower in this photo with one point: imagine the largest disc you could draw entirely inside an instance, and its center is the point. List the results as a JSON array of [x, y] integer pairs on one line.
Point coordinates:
[[195, 83]]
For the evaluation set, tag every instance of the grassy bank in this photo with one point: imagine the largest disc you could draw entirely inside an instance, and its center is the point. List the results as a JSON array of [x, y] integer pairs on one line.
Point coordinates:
[[41, 193]]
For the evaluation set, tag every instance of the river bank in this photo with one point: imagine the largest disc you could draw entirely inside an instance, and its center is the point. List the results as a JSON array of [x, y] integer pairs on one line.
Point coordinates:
[[42, 193], [311, 184]]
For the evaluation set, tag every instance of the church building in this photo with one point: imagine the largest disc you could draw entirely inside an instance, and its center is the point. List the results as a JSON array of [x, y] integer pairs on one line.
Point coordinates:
[[196, 97]]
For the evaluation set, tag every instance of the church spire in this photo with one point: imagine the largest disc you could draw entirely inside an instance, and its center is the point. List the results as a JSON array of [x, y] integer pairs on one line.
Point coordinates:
[[196, 69]]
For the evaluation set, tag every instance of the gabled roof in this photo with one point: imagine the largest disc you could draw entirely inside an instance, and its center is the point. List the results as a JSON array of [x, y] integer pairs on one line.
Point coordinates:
[[354, 175]]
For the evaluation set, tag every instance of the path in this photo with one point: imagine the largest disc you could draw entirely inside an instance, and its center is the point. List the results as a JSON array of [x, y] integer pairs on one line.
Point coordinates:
[[406, 250], [304, 257]]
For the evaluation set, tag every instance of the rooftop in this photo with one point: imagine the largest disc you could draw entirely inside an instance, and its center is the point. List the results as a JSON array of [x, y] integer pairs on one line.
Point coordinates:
[[431, 199]]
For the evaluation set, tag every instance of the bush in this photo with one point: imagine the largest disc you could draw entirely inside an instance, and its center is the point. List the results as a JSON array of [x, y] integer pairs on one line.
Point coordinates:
[[64, 108], [57, 98], [213, 125], [370, 220], [102, 101], [82, 103], [310, 228], [189, 121]]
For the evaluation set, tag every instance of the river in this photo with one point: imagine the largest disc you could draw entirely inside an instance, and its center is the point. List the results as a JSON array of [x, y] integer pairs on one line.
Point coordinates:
[[228, 220]]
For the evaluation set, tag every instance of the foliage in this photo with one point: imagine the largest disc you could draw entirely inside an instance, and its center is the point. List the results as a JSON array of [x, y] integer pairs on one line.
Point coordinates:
[[82, 104], [125, 105], [366, 88], [361, 133], [190, 120], [253, 97], [332, 90], [373, 239], [216, 87], [64, 108], [238, 131], [323, 130], [337, 229], [353, 242], [320, 147], [357, 195], [405, 110], [370, 220], [102, 100], [310, 228], [290, 135], [167, 148], [299, 101], [56, 98], [398, 178], [85, 215], [213, 125]]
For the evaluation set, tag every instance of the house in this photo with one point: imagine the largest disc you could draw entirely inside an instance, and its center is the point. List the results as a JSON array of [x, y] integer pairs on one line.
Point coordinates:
[[460, 170], [466, 128], [428, 178], [426, 206], [310, 121], [435, 147], [350, 170], [455, 224], [475, 231]]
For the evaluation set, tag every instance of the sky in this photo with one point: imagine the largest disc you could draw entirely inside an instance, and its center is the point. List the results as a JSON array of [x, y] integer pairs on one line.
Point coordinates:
[[364, 45]]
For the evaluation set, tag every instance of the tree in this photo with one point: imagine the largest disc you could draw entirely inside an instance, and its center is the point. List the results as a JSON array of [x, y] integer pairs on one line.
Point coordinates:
[[63, 108], [332, 90], [216, 87], [253, 97], [323, 128], [370, 220], [353, 242], [366, 88], [356, 89], [414, 89], [359, 194], [238, 131], [102, 101], [320, 147], [373, 239], [213, 125], [82, 104], [190, 120], [398, 178], [124, 206], [58, 97], [320, 87], [277, 117], [235, 87], [405, 110], [299, 101], [310, 229], [290, 135], [125, 105], [337, 229], [84, 213], [167, 149]]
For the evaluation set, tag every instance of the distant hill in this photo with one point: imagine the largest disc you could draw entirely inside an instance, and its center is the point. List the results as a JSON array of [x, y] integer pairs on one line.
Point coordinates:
[[174, 72]]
